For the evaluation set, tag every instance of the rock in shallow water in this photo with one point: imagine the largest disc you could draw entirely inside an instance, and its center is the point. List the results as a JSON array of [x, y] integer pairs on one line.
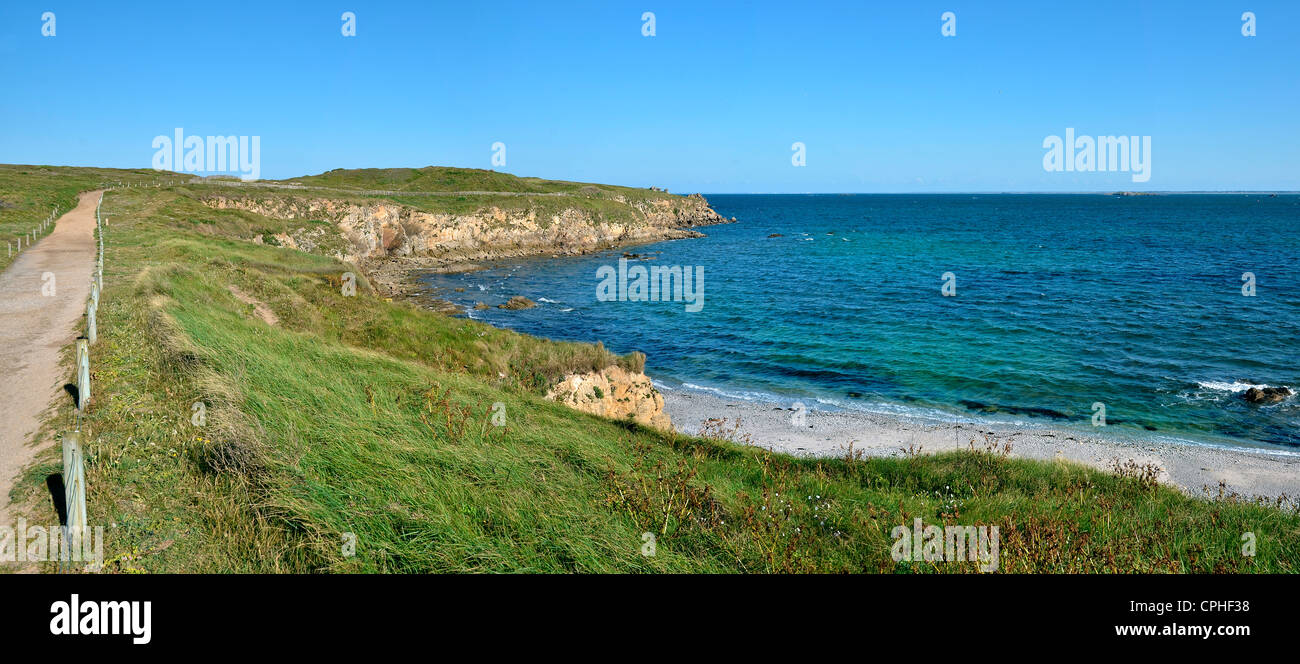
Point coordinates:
[[1266, 394], [518, 302]]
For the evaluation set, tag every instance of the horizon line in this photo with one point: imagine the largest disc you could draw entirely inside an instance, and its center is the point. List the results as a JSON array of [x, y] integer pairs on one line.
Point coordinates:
[[1101, 192]]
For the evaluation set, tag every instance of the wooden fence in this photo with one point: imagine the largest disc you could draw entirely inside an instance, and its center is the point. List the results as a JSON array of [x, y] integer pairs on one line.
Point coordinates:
[[74, 469]]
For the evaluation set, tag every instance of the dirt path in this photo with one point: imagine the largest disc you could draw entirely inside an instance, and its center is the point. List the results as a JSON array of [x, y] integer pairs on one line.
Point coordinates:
[[34, 328], [264, 312]]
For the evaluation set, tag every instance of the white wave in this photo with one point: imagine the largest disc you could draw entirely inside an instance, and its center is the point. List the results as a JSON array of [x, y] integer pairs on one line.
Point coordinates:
[[938, 416], [1234, 387], [546, 299], [566, 310], [743, 395], [816, 404]]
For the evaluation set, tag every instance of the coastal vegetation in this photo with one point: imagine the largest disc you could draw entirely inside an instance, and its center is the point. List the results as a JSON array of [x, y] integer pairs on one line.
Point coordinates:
[[24, 206], [357, 434]]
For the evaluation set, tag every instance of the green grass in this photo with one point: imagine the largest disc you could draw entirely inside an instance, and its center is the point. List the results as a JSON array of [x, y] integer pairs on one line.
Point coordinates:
[[28, 194], [359, 418], [444, 179], [513, 195]]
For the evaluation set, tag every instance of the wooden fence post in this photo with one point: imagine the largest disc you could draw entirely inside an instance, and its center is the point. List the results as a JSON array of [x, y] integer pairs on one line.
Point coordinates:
[[74, 490], [90, 322], [83, 373]]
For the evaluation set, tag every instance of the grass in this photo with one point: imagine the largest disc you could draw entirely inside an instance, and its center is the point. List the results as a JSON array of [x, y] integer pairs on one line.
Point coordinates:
[[444, 179], [357, 420], [28, 194], [463, 191], [542, 207]]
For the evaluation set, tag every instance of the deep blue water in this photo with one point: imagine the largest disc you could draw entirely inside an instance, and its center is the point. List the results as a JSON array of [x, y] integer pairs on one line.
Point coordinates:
[[1061, 301]]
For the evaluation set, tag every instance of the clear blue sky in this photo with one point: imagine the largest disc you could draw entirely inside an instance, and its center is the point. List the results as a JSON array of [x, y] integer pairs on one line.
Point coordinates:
[[712, 103]]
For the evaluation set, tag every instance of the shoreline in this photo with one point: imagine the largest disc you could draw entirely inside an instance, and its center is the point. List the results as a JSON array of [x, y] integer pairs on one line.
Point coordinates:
[[401, 277], [1194, 469]]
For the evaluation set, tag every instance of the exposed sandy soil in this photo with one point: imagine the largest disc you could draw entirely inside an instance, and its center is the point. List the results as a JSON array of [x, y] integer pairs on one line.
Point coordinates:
[[264, 312], [35, 328]]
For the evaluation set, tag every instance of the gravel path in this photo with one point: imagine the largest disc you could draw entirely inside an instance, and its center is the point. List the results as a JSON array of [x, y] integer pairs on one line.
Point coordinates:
[[34, 329]]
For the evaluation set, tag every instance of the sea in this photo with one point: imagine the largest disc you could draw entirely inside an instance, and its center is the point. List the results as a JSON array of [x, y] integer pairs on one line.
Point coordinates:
[[1141, 316]]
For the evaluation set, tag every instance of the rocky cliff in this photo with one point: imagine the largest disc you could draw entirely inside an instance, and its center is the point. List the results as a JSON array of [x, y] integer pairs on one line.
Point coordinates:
[[388, 240], [378, 230], [616, 393]]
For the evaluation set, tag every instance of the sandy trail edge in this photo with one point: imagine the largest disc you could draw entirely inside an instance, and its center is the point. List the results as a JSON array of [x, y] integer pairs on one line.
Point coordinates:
[[826, 434], [34, 329]]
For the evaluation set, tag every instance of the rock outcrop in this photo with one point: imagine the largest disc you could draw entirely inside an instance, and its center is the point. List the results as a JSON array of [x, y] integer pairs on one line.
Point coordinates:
[[1266, 395], [616, 393], [518, 302], [390, 240], [375, 230]]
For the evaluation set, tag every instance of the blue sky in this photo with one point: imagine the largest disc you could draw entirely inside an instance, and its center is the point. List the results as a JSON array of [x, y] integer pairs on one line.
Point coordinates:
[[711, 103]]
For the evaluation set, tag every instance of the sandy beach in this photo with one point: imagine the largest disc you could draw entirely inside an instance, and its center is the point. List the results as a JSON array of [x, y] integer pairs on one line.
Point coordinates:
[[1189, 467]]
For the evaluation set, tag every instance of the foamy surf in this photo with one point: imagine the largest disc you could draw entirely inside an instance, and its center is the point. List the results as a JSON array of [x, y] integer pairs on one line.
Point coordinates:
[[813, 404], [1234, 387]]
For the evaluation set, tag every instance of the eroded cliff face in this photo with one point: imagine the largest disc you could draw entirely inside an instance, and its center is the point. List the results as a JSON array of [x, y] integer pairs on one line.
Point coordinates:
[[616, 393], [378, 230], [387, 240]]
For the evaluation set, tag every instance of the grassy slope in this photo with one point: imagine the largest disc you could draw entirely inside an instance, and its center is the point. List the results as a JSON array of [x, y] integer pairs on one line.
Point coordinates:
[[29, 193], [355, 415], [445, 179], [600, 201], [599, 207]]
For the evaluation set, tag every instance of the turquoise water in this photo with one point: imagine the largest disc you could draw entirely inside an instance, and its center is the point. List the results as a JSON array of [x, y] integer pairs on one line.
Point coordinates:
[[1061, 301]]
